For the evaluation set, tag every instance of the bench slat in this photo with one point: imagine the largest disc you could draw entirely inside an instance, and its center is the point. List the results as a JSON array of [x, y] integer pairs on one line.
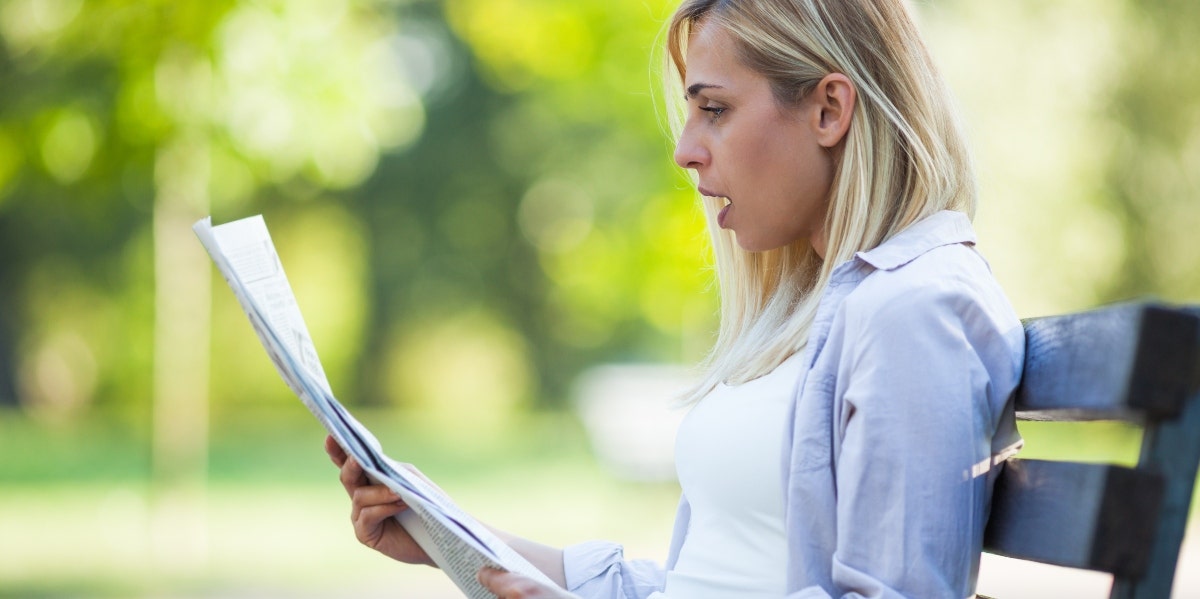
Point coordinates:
[[1135, 362], [1093, 516], [1124, 362], [1172, 449], [1079, 515]]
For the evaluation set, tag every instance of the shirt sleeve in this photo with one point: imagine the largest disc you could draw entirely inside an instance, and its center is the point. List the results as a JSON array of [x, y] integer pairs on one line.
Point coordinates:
[[598, 570], [916, 416]]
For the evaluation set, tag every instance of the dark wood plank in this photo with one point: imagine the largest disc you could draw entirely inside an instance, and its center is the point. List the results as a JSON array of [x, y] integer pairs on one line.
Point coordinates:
[[1093, 516], [1126, 362], [1170, 449], [1137, 362]]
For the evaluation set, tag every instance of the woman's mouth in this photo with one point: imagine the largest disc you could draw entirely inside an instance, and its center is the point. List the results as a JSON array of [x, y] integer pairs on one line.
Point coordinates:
[[723, 213]]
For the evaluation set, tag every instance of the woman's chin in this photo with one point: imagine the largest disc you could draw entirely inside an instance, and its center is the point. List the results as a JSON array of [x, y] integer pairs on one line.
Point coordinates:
[[750, 245], [755, 246]]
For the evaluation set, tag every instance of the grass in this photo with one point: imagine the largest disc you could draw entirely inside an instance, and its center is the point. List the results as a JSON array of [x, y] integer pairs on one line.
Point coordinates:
[[1113, 442], [79, 516]]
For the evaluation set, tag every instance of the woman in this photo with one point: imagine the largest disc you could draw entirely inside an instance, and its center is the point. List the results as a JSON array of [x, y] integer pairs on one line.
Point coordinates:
[[856, 402]]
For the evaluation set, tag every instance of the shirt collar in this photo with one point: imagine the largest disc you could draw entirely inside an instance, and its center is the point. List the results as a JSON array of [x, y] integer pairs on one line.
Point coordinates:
[[943, 228]]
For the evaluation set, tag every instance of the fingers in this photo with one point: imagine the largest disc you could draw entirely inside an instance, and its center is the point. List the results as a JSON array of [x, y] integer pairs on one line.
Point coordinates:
[[373, 495], [369, 523], [369, 516], [352, 476], [366, 497], [507, 585], [373, 507], [370, 506], [335, 451]]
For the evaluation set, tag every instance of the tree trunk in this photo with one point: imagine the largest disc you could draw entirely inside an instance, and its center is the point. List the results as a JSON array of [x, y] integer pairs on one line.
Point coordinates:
[[183, 290]]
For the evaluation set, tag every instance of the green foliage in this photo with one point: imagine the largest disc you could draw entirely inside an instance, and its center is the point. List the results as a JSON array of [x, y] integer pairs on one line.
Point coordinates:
[[542, 197], [1153, 167], [119, 110], [485, 185]]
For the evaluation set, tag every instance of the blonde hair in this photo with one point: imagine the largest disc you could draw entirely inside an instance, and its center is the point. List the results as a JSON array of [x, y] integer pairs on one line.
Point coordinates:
[[904, 158]]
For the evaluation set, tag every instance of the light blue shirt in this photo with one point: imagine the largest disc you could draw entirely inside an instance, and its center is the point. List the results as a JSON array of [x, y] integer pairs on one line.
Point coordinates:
[[895, 433]]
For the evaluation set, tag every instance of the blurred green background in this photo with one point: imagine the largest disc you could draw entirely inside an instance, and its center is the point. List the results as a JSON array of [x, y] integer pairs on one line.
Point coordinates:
[[475, 201]]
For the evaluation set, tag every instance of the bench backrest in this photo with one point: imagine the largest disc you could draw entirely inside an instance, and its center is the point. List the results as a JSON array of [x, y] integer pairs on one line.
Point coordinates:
[[1138, 363]]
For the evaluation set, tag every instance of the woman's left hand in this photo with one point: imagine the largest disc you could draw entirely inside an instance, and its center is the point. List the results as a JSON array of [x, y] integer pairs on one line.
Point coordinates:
[[507, 585]]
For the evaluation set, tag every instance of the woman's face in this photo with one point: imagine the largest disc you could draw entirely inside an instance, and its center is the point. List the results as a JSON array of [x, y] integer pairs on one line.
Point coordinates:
[[762, 158]]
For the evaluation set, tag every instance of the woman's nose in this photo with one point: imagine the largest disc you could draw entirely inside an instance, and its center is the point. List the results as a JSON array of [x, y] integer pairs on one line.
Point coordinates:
[[689, 152]]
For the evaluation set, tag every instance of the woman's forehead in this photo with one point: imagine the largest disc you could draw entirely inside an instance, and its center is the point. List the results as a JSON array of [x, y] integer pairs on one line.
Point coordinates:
[[711, 56], [715, 65]]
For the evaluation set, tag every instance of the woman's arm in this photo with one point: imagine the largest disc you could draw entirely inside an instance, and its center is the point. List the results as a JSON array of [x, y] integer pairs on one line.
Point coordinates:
[[373, 507], [544, 557], [922, 392], [596, 568]]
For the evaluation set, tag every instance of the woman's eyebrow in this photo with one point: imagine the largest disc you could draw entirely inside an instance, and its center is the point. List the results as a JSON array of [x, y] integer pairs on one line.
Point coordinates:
[[696, 88]]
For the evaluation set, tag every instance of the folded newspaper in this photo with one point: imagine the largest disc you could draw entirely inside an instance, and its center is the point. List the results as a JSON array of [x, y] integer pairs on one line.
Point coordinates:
[[460, 545]]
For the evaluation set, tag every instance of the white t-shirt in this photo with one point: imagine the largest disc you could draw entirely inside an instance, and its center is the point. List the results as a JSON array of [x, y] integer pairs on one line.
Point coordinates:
[[727, 457]]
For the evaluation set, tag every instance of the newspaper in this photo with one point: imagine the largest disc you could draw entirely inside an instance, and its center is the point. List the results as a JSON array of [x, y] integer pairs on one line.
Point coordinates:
[[457, 543]]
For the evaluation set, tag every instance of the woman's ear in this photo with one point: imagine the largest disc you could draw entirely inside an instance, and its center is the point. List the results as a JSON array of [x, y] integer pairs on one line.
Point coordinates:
[[834, 97]]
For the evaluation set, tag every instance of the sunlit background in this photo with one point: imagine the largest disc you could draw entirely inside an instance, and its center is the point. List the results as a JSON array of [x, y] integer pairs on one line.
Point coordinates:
[[475, 203]]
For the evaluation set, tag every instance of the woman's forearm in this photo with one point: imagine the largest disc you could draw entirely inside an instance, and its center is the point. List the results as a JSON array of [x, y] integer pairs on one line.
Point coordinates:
[[544, 557]]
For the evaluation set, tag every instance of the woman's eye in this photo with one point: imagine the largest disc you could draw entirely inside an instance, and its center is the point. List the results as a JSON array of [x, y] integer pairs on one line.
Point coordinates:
[[715, 111]]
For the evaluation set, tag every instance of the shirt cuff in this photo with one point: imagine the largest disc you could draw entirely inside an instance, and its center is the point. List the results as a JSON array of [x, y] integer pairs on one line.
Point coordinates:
[[587, 561]]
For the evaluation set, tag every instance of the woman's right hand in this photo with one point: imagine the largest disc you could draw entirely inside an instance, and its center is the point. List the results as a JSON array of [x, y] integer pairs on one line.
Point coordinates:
[[508, 585], [372, 510]]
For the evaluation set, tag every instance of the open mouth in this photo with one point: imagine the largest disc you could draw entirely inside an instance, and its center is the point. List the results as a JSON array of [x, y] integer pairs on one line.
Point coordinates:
[[724, 213]]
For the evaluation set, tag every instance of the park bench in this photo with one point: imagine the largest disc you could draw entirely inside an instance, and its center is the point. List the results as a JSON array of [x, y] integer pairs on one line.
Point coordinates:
[[1138, 363]]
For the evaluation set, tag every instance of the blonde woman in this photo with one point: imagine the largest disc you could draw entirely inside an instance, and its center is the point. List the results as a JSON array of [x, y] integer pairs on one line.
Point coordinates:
[[844, 442]]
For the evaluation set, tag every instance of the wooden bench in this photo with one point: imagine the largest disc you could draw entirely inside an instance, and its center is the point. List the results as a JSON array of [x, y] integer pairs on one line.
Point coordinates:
[[1138, 363]]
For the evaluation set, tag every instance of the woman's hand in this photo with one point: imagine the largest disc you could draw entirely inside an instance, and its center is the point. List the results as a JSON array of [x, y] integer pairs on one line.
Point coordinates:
[[507, 585], [372, 508]]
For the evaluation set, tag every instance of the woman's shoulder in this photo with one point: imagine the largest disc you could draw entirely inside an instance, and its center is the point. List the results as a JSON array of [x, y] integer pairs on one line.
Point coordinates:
[[953, 279], [957, 265], [936, 254], [946, 298]]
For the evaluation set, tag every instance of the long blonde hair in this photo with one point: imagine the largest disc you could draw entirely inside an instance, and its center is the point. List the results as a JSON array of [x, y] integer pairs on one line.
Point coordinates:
[[904, 158]]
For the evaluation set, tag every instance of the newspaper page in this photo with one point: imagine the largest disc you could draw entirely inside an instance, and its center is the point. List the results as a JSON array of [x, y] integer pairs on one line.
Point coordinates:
[[245, 256]]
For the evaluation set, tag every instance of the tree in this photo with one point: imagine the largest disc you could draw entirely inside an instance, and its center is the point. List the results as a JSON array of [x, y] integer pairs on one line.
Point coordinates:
[[125, 122]]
